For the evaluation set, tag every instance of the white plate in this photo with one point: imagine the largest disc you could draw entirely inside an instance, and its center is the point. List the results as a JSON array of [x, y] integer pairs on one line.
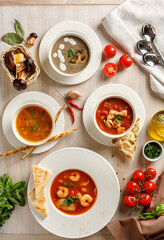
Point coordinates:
[[107, 197], [85, 32], [36, 97], [104, 92]]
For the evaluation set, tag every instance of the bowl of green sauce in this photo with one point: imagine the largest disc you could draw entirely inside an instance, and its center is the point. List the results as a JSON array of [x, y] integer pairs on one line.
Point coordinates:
[[152, 150]]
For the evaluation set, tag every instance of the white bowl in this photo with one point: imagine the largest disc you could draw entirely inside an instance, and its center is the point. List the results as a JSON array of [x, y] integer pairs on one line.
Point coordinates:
[[152, 159], [125, 99], [18, 136], [65, 35]]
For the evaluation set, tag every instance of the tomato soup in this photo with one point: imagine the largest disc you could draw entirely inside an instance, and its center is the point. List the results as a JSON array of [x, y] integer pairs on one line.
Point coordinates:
[[73, 192], [114, 116], [34, 123]]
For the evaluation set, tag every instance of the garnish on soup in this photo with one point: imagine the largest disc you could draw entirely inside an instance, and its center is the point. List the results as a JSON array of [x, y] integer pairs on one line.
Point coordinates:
[[114, 116], [73, 192], [34, 123]]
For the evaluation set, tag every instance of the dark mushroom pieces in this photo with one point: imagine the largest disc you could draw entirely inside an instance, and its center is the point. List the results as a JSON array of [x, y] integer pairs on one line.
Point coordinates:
[[31, 39], [30, 64], [20, 83], [80, 57], [10, 61]]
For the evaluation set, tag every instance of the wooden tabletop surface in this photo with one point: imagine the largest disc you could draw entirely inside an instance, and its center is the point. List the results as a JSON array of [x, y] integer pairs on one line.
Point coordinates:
[[39, 16]]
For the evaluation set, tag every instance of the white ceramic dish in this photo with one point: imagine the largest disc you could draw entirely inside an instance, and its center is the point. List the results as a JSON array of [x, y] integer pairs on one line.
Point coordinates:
[[50, 50], [105, 92], [18, 136], [25, 98], [154, 159], [77, 29], [134, 116], [107, 198]]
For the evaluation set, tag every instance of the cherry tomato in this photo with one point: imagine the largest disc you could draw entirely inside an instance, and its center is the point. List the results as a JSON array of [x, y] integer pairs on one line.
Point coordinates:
[[130, 201], [138, 175], [109, 51], [132, 188], [149, 186], [150, 173], [144, 199], [110, 69], [125, 61]]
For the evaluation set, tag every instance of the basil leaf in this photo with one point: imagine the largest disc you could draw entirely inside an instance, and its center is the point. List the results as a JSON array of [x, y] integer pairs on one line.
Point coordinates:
[[146, 216], [118, 118], [19, 29], [159, 209], [12, 38], [71, 53]]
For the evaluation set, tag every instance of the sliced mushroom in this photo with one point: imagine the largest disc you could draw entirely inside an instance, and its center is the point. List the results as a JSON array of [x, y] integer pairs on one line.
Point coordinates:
[[10, 61], [31, 39], [80, 57], [23, 75], [21, 66], [19, 57]]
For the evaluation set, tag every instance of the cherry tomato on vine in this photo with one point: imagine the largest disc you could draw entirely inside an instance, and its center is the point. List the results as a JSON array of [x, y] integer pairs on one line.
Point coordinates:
[[109, 51], [138, 175], [130, 201], [132, 188], [125, 61], [144, 199], [110, 69], [150, 173], [149, 186]]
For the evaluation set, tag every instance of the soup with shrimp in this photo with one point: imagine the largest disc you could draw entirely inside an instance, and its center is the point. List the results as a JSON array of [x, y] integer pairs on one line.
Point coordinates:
[[73, 192]]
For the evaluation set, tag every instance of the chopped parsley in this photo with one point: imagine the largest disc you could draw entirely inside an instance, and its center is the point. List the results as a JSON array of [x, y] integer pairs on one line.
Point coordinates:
[[70, 200], [118, 118], [152, 150]]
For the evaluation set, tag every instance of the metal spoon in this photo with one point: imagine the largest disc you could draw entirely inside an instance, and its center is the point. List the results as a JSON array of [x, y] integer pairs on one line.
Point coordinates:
[[144, 46], [148, 32], [150, 59]]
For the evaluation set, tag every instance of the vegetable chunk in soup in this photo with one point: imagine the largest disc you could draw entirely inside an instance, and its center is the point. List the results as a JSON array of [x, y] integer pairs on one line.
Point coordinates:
[[73, 192]]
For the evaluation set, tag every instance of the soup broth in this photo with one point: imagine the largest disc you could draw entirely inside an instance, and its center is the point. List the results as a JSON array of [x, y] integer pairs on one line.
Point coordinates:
[[34, 123], [70, 54]]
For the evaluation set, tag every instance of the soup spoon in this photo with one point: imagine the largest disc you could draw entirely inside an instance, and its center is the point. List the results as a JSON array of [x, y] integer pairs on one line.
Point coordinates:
[[150, 59], [148, 32], [144, 46]]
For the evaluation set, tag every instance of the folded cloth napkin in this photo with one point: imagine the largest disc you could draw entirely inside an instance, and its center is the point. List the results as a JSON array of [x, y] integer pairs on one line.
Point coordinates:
[[124, 26], [133, 228]]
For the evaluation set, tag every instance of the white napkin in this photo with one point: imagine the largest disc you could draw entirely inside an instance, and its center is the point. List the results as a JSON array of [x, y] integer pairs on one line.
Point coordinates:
[[124, 25]]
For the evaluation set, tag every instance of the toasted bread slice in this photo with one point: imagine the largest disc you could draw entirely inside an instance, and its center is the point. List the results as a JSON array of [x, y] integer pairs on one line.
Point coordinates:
[[127, 143], [39, 205], [41, 177]]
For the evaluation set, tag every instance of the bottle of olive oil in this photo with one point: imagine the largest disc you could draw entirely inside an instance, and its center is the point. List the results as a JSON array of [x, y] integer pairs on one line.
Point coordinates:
[[156, 126]]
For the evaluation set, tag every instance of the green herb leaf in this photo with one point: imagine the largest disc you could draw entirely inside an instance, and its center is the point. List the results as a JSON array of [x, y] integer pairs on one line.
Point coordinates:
[[12, 38], [32, 129], [25, 118], [152, 150], [71, 53], [70, 200], [118, 118], [33, 113], [66, 183], [19, 29]]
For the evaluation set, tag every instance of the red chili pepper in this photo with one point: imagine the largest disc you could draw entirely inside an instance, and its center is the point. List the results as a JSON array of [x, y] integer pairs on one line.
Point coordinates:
[[74, 104], [72, 114]]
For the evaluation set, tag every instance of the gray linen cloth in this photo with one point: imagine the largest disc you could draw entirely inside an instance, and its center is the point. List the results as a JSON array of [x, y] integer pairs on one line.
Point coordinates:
[[124, 25]]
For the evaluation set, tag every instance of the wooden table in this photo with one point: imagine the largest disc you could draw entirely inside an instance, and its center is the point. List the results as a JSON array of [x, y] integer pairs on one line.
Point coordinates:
[[39, 16]]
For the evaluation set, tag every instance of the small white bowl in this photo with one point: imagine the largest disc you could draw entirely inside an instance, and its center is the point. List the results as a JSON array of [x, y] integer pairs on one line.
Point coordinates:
[[65, 35], [18, 136], [134, 115], [152, 159]]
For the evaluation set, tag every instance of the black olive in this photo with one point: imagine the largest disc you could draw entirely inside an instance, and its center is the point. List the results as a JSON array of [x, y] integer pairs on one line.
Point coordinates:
[[19, 84], [33, 35], [79, 51], [30, 64]]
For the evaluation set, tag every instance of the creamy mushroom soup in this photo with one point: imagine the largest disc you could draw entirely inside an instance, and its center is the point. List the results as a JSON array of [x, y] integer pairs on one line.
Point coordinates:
[[70, 54]]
